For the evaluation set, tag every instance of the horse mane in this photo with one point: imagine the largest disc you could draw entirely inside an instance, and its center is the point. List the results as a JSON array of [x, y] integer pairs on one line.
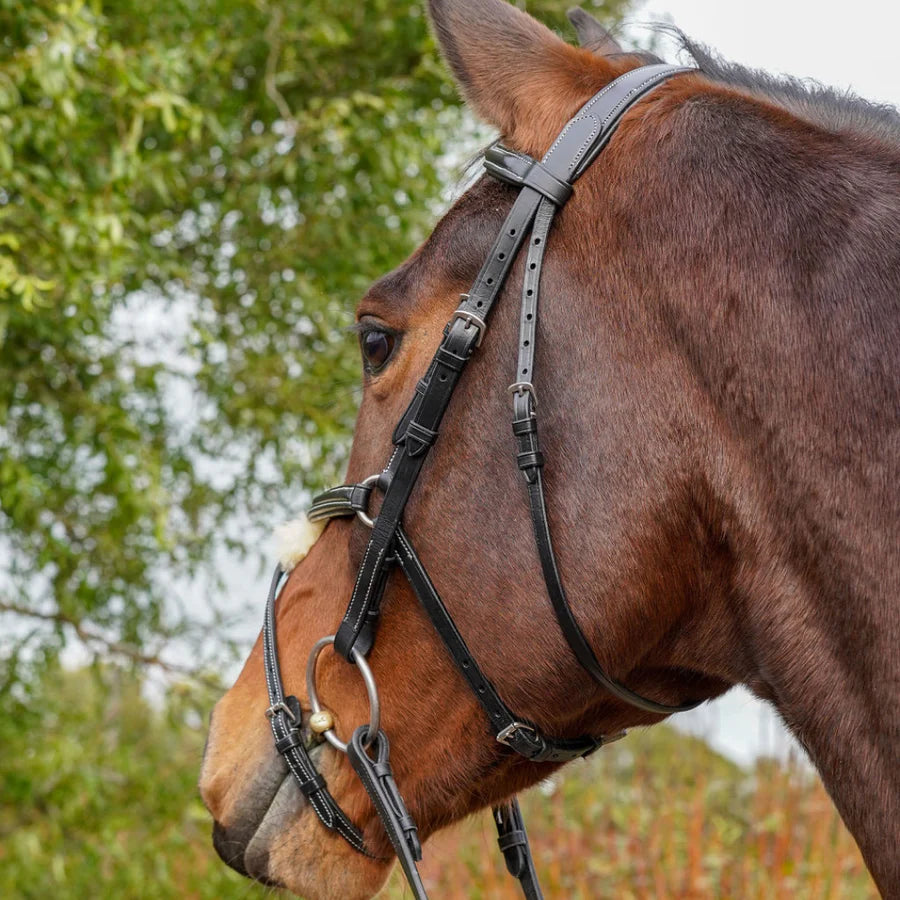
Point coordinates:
[[829, 108]]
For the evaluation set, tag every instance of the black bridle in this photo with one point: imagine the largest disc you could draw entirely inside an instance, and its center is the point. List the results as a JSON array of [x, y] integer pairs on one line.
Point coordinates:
[[544, 188]]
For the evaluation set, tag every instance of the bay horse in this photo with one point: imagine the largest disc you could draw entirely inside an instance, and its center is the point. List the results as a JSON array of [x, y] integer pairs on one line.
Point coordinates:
[[720, 419]]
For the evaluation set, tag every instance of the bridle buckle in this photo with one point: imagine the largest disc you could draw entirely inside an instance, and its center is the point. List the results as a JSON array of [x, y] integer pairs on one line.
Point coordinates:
[[507, 734], [524, 387], [281, 706], [471, 319]]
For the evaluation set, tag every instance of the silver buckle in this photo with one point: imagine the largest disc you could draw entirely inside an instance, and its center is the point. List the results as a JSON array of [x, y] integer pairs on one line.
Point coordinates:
[[506, 734], [471, 319], [281, 706], [524, 387]]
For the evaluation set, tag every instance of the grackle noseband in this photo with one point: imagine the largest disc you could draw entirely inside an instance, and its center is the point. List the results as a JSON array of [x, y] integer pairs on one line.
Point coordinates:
[[544, 188]]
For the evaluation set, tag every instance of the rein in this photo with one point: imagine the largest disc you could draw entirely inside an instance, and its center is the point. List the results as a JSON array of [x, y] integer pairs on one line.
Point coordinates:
[[544, 188]]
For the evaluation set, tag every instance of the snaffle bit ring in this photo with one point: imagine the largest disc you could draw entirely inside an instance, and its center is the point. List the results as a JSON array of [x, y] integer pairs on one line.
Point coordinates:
[[371, 690]]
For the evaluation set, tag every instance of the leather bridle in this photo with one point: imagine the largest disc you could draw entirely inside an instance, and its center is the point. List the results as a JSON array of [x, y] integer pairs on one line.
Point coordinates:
[[544, 188]]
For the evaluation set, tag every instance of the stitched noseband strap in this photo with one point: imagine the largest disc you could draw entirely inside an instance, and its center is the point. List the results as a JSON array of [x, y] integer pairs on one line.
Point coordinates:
[[544, 188]]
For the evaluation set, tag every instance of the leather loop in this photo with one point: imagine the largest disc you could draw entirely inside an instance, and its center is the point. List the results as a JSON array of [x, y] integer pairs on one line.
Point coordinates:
[[513, 842], [378, 780], [419, 438], [421, 387], [523, 171], [291, 740], [313, 785], [531, 459], [446, 358], [522, 427]]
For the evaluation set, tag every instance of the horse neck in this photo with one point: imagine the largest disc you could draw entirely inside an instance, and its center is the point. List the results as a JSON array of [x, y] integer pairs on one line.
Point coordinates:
[[777, 279]]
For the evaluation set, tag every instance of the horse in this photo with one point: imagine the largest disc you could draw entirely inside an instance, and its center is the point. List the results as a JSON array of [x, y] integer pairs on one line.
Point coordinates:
[[719, 408]]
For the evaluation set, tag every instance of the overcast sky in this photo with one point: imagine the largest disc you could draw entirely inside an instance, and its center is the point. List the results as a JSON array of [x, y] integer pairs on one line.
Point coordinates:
[[847, 45]]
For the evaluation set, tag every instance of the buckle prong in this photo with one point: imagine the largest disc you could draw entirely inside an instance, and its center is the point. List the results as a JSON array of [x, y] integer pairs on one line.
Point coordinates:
[[524, 387], [281, 706], [507, 733]]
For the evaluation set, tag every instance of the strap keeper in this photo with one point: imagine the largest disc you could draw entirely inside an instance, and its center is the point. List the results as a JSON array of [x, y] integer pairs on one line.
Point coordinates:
[[313, 786], [512, 839], [290, 741], [532, 459], [449, 359], [519, 169], [419, 438], [523, 427]]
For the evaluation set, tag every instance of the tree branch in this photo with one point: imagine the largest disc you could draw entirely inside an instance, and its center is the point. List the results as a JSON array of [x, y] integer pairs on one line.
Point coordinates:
[[273, 38], [89, 637]]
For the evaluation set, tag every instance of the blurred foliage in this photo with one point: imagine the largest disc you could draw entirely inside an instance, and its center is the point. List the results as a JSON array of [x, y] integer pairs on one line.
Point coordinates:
[[192, 194], [105, 806]]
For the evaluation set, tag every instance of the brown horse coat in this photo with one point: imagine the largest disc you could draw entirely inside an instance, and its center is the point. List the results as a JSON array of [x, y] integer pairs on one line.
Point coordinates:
[[720, 401]]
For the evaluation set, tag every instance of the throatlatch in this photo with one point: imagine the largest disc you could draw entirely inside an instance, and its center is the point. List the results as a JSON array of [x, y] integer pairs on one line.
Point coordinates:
[[544, 188]]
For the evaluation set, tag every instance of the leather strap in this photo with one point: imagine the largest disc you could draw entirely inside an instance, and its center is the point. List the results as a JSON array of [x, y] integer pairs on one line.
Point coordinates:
[[514, 732], [544, 187], [285, 718], [512, 838], [427, 410], [377, 778], [578, 144]]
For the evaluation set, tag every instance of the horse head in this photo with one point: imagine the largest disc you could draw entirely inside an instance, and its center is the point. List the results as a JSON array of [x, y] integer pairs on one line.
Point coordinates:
[[664, 280]]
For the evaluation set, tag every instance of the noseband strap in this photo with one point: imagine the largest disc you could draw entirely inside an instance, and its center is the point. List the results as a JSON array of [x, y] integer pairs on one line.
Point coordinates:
[[544, 188]]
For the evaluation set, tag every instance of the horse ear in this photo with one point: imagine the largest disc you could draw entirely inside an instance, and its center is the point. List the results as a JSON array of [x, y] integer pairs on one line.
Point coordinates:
[[515, 73], [592, 35]]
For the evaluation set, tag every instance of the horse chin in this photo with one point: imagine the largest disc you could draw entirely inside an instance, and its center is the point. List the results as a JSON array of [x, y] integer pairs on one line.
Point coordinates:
[[291, 849]]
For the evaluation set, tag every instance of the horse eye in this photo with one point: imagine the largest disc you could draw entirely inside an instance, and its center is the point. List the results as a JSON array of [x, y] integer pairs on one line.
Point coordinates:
[[377, 347]]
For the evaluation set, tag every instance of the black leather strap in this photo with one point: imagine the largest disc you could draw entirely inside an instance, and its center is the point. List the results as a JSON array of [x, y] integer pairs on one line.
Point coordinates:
[[570, 628], [569, 156], [544, 187], [512, 838], [519, 734], [529, 457], [427, 410], [377, 778], [285, 717]]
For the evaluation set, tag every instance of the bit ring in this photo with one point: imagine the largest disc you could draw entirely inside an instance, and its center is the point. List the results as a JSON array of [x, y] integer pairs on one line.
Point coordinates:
[[371, 690]]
